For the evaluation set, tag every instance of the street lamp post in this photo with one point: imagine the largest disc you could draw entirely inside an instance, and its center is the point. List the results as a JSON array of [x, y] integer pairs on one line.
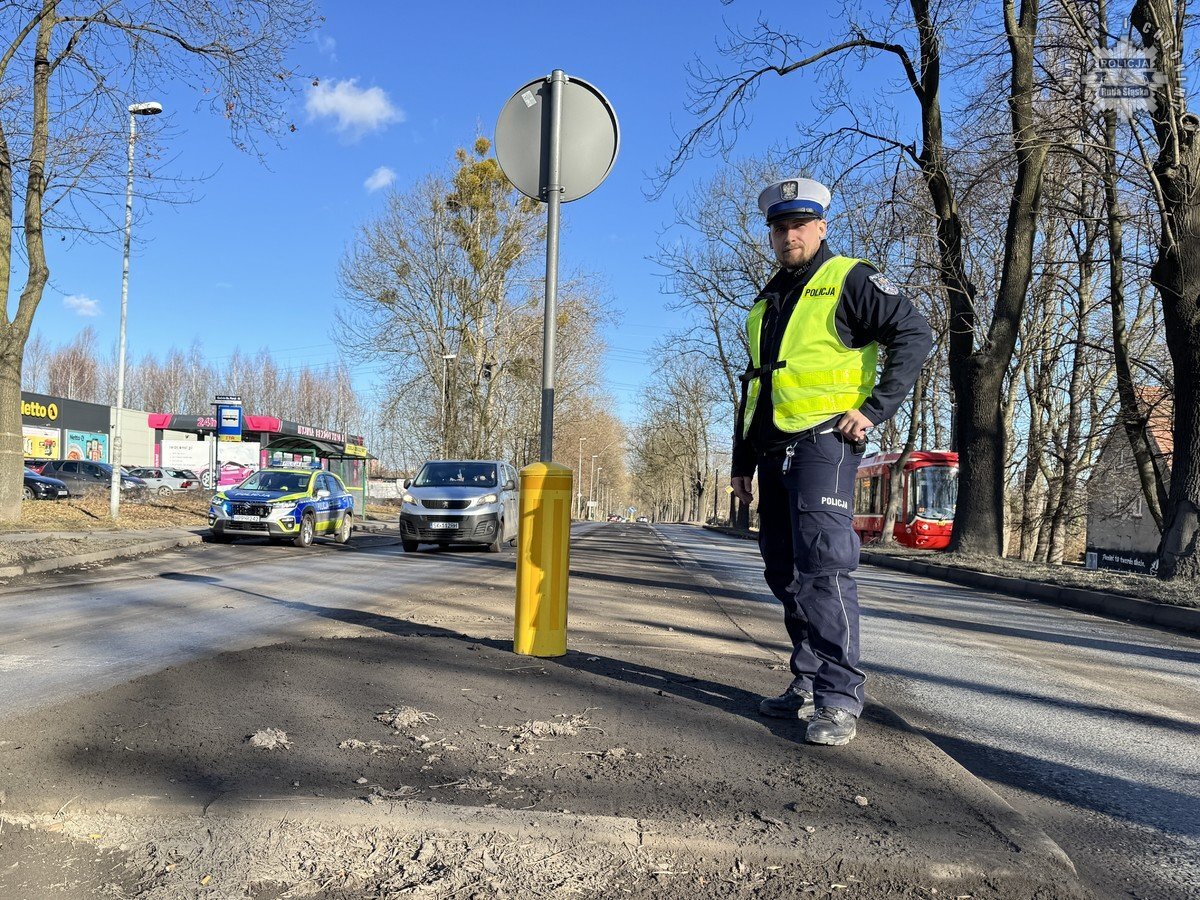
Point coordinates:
[[114, 498], [592, 485], [579, 481], [446, 357]]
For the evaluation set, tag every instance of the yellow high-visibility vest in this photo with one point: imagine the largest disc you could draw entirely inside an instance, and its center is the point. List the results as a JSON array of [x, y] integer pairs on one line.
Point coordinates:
[[816, 376]]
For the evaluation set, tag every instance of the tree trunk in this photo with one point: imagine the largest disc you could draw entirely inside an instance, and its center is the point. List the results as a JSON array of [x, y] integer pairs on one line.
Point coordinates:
[[1134, 420], [16, 333], [1065, 502], [979, 376], [1031, 497], [1176, 275], [1053, 492], [11, 446]]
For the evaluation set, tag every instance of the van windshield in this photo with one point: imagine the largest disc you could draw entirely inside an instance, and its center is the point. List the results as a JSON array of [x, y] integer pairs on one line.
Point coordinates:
[[458, 474]]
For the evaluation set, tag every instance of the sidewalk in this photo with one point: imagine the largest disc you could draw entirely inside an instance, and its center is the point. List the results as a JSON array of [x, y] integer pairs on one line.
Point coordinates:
[[35, 552], [1103, 603], [635, 765]]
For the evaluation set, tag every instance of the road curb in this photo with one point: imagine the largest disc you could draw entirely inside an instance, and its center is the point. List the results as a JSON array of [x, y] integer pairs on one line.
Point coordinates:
[[1003, 816], [376, 527], [420, 816], [408, 815], [1102, 603], [142, 548], [1116, 606], [1018, 829]]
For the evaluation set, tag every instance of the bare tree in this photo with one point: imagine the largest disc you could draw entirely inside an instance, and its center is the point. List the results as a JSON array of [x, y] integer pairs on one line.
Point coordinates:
[[185, 383], [979, 355], [67, 65], [444, 288], [35, 371], [73, 369], [715, 272], [672, 445], [1176, 275]]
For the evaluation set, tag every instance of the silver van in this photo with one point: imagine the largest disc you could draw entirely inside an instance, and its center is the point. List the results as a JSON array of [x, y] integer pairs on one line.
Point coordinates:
[[460, 501]]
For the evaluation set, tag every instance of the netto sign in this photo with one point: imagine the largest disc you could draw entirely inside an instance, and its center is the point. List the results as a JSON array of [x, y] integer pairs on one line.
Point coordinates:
[[36, 410]]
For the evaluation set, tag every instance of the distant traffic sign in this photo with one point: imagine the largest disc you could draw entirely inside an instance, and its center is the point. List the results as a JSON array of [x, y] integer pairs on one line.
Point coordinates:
[[229, 422]]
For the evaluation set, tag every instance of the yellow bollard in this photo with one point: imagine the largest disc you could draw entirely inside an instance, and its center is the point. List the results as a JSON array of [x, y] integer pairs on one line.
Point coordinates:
[[543, 560]]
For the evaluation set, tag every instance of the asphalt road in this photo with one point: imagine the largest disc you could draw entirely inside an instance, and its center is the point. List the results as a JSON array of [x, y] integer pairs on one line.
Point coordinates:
[[1087, 725], [103, 628], [63, 636]]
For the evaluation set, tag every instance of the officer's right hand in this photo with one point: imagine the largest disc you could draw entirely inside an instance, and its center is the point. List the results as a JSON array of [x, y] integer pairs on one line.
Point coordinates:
[[743, 487]]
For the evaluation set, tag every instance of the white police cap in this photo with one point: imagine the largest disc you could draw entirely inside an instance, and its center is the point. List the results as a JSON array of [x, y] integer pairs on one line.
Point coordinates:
[[793, 198]]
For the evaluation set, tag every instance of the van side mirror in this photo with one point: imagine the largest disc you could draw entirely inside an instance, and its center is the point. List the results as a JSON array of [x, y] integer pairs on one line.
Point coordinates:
[[404, 483], [509, 485]]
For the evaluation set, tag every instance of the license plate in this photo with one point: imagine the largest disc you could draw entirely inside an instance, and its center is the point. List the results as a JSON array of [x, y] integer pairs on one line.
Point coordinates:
[[62, 493], [443, 525], [246, 519]]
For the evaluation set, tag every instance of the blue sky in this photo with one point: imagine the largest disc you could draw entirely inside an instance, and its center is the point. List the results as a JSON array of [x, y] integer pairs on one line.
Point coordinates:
[[252, 262]]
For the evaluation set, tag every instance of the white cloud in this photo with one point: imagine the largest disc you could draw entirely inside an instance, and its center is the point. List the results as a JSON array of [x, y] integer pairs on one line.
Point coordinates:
[[356, 110], [380, 178], [327, 46], [83, 306]]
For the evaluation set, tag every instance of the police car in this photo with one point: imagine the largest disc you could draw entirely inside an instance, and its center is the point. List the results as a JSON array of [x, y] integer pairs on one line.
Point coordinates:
[[281, 504]]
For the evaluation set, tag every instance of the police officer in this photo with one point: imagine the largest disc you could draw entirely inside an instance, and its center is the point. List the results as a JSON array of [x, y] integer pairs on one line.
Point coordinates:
[[809, 397]]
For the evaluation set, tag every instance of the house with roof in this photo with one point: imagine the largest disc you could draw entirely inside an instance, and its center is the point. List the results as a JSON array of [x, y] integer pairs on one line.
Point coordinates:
[[1121, 533]]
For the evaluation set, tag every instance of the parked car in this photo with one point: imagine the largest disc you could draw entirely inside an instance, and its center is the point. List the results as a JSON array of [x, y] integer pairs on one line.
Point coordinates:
[[39, 487], [294, 505], [460, 501], [644, 520], [166, 481], [85, 477]]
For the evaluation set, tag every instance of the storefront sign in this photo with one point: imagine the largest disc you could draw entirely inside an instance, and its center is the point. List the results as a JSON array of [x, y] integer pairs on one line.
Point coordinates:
[[58, 412], [36, 410]]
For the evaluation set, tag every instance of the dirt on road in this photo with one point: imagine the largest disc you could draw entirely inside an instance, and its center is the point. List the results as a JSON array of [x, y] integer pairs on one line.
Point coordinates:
[[415, 754]]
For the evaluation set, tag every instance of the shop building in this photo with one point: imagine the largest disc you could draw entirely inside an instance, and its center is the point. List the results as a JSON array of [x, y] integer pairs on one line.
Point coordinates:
[[58, 428]]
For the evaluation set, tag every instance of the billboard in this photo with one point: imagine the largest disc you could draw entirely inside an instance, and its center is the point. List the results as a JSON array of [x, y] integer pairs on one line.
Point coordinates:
[[41, 443], [86, 445], [237, 460]]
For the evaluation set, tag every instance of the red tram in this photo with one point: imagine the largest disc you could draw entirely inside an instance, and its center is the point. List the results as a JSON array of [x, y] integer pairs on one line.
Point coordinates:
[[927, 498]]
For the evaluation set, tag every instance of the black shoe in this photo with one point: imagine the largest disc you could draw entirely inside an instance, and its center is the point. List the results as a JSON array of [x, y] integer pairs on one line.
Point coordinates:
[[833, 726], [791, 704]]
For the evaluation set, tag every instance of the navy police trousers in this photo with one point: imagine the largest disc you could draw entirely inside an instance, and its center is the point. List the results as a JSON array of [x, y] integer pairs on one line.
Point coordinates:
[[809, 550]]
